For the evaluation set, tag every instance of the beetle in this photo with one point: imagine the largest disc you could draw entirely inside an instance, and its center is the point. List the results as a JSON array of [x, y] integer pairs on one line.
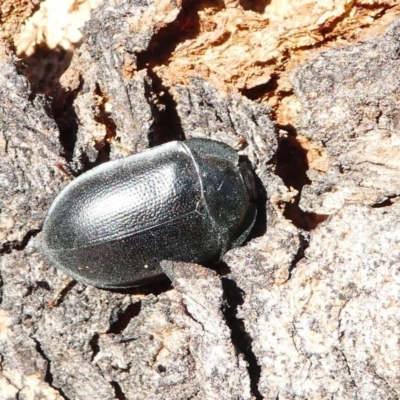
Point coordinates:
[[185, 201]]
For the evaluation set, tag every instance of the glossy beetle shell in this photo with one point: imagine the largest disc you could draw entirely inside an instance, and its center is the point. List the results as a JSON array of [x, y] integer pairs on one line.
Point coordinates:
[[183, 201]]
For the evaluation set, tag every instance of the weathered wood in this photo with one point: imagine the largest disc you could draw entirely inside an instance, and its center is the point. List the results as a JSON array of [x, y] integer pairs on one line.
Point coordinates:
[[292, 314]]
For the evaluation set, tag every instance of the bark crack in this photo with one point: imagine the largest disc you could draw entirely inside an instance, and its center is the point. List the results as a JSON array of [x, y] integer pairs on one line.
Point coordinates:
[[240, 338], [48, 378], [18, 245], [119, 394], [389, 201], [121, 318], [304, 243]]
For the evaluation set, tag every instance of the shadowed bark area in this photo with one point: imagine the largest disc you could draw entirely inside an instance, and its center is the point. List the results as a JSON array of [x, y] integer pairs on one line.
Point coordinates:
[[307, 308]]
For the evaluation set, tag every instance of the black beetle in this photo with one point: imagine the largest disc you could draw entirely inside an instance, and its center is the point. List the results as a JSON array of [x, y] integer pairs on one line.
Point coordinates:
[[182, 201]]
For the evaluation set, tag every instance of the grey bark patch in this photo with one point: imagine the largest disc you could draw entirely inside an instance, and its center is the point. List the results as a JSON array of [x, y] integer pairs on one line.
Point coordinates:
[[29, 156], [223, 370], [350, 109], [233, 119]]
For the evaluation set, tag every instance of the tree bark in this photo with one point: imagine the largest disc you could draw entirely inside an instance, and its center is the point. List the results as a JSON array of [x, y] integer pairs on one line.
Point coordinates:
[[306, 309]]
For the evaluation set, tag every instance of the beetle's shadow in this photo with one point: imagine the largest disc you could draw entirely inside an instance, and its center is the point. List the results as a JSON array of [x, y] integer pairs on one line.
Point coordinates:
[[155, 288], [260, 224]]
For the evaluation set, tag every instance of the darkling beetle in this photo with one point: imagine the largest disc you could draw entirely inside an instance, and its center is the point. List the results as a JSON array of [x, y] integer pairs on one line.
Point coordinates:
[[181, 201]]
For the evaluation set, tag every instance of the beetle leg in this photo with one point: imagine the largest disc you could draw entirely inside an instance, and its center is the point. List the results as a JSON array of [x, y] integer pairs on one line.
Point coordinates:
[[66, 285]]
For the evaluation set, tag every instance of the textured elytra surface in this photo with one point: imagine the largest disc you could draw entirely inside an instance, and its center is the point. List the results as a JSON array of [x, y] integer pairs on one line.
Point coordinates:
[[125, 197], [322, 325]]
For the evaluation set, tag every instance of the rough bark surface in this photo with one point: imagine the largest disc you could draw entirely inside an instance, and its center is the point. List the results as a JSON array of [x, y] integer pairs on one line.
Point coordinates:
[[293, 314], [352, 115]]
